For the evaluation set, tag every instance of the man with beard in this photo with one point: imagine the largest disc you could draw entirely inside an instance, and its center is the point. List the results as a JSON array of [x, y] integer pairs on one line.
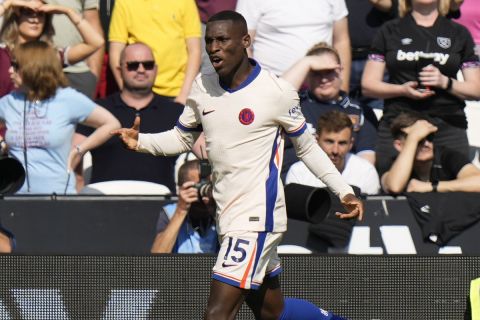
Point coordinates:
[[111, 161], [422, 167], [335, 137]]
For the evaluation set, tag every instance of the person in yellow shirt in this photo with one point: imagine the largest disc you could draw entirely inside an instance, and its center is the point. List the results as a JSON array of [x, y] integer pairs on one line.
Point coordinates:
[[172, 29]]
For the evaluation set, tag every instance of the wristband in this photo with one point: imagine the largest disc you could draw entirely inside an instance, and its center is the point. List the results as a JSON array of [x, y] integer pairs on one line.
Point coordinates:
[[449, 84], [435, 186]]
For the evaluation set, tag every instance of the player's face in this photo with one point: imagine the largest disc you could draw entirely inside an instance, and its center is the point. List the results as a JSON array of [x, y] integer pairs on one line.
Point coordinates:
[[325, 84], [336, 145], [226, 46], [138, 68]]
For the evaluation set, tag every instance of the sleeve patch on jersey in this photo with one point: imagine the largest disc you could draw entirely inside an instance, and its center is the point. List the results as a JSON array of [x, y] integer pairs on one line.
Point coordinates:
[[189, 129], [295, 111]]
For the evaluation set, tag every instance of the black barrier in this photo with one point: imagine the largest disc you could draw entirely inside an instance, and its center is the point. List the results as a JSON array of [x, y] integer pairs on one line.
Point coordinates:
[[126, 225], [176, 286]]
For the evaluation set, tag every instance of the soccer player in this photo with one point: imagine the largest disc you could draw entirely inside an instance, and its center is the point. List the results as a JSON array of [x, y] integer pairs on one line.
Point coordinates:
[[244, 112]]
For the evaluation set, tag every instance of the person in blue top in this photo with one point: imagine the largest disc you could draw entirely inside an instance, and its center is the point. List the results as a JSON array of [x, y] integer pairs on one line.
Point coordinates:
[[41, 116], [187, 226]]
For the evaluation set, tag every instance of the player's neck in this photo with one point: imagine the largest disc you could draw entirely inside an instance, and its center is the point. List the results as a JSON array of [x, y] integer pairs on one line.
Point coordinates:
[[239, 75]]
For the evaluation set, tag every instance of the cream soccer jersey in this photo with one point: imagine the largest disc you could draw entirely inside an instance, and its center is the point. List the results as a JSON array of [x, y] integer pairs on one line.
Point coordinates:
[[244, 139]]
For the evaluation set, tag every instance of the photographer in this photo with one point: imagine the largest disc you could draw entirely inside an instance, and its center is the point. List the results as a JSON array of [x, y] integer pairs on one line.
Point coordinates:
[[189, 225]]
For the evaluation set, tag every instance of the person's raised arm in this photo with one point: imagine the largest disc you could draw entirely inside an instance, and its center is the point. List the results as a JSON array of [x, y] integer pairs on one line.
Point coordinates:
[[395, 180], [92, 40], [165, 240], [297, 73], [341, 42], [167, 143], [104, 122], [194, 48], [5, 5], [95, 61], [382, 5]]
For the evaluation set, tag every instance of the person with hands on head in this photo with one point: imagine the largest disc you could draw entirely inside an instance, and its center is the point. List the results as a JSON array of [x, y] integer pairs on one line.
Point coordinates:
[[30, 20], [423, 49], [421, 166], [41, 117], [244, 111], [187, 226], [320, 70]]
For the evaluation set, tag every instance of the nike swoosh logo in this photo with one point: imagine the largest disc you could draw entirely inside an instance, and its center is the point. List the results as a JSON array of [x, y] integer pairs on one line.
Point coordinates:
[[224, 265], [204, 113]]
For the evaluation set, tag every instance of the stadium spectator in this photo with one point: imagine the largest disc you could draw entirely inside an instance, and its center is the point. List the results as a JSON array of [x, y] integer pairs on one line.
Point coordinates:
[[421, 166], [187, 226], [251, 215], [364, 20], [283, 31], [171, 29], [111, 161], [321, 68], [335, 137], [83, 75], [423, 52], [41, 118], [392, 7], [32, 20], [470, 18], [207, 8]]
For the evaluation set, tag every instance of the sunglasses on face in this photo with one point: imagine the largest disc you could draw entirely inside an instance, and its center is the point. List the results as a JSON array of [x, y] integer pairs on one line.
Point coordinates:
[[27, 12], [134, 65]]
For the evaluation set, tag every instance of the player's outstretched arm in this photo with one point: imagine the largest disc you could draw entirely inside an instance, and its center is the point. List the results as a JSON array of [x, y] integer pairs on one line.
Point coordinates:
[[354, 207], [129, 136]]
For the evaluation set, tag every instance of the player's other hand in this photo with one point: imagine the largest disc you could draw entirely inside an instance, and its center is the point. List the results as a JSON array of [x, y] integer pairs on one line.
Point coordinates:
[[354, 207], [129, 136]]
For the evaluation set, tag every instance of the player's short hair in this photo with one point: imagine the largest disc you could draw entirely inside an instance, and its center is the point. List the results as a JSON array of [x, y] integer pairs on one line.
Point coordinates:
[[323, 48], [185, 168], [334, 121], [229, 15], [402, 121]]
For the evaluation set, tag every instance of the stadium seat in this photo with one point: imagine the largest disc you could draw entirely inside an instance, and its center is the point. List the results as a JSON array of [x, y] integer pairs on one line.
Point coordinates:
[[126, 187]]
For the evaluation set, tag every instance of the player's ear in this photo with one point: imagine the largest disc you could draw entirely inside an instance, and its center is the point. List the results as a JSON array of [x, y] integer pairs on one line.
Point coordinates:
[[247, 41]]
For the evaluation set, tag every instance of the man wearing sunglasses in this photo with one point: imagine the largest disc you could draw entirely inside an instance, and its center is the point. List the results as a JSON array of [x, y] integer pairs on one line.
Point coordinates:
[[422, 167], [111, 161]]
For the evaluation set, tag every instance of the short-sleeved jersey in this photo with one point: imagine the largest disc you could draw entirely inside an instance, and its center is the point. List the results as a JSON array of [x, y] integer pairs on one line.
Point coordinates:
[[403, 45], [243, 131]]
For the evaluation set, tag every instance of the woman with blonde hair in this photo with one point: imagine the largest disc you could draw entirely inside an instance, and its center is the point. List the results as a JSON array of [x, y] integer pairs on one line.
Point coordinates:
[[28, 20], [41, 117], [423, 52]]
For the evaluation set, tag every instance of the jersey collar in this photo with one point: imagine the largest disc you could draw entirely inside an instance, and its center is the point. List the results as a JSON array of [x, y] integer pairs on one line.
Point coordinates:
[[252, 76]]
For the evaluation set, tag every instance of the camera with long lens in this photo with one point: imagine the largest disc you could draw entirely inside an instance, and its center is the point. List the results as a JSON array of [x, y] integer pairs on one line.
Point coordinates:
[[12, 175], [204, 186]]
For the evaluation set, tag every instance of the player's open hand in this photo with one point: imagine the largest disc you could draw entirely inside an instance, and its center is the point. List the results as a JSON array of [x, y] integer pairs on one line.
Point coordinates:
[[129, 136], [354, 207]]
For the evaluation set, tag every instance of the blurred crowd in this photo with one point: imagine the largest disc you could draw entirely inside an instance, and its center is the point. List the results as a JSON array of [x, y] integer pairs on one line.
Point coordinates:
[[383, 86]]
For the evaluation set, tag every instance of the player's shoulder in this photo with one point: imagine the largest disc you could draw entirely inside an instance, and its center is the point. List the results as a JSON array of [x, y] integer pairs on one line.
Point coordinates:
[[206, 82]]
